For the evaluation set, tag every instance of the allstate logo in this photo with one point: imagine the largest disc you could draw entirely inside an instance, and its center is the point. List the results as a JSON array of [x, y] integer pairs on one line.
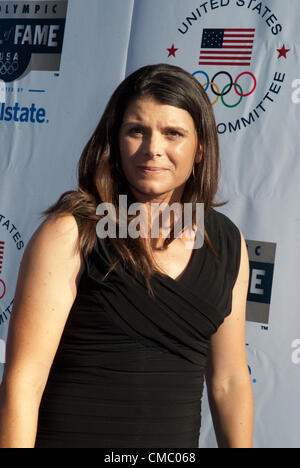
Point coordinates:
[[31, 37], [228, 58]]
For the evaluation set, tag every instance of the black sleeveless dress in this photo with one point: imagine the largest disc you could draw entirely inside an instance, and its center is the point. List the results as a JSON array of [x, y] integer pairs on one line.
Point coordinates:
[[129, 369]]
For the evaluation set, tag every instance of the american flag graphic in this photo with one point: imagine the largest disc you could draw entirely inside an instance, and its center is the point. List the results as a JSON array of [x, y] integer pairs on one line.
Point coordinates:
[[231, 47], [1, 255]]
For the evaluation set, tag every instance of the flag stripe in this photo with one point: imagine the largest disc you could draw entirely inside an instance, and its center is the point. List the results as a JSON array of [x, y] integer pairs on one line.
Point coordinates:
[[226, 63], [238, 35], [238, 30], [237, 47], [233, 41], [242, 53], [226, 58], [209, 52]]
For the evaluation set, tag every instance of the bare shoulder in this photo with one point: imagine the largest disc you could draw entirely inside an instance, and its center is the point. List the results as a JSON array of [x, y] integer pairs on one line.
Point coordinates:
[[56, 237], [56, 228], [46, 288]]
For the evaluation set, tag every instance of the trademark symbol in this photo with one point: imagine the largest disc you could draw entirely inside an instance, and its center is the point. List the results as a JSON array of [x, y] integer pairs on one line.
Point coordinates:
[[56, 74], [264, 328]]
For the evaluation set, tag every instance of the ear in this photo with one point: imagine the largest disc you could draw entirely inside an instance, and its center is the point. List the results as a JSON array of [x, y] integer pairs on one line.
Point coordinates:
[[199, 154]]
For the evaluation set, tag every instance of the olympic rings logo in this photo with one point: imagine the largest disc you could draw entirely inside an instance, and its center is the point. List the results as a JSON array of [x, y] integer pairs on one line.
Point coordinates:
[[7, 67], [233, 84]]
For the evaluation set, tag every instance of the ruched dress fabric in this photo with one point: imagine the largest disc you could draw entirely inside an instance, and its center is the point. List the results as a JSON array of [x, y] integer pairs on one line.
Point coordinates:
[[129, 369]]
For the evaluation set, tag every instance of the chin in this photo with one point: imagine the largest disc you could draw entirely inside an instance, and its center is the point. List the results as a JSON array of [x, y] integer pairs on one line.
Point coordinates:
[[147, 188]]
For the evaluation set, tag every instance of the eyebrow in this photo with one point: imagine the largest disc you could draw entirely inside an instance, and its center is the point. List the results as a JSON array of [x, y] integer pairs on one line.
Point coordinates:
[[167, 127]]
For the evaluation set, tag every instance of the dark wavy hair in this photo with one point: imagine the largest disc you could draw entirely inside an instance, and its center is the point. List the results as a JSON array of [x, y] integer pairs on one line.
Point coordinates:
[[101, 179]]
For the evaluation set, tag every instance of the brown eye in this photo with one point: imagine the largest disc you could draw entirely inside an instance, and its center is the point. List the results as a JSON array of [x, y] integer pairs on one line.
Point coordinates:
[[174, 133], [136, 131]]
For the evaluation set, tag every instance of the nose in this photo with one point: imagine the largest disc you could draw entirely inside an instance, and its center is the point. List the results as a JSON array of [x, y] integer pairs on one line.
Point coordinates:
[[153, 144]]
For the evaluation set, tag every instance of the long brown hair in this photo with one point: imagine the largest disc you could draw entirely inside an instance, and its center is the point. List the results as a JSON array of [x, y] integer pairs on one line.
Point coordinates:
[[101, 179]]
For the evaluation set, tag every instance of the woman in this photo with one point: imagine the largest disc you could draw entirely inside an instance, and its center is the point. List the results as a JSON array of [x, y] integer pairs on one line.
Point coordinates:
[[109, 343]]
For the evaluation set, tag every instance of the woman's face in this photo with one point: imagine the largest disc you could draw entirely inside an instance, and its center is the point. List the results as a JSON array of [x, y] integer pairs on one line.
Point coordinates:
[[157, 136]]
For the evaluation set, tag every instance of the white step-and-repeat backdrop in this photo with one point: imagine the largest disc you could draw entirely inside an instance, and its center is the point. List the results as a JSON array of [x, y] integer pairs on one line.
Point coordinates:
[[59, 63]]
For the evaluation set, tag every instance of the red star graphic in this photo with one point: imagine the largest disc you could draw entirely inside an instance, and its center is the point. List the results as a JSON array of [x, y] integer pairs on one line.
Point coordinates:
[[283, 52], [172, 51]]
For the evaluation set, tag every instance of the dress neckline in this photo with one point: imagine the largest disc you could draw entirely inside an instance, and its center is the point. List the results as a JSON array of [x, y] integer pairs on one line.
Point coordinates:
[[183, 275], [186, 271]]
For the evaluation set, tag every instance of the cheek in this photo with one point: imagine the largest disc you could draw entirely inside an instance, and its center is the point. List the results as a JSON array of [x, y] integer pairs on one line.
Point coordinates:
[[183, 154], [127, 148]]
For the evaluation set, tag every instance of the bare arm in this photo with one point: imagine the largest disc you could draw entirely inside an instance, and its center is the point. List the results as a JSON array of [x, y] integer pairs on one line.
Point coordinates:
[[227, 376], [46, 289]]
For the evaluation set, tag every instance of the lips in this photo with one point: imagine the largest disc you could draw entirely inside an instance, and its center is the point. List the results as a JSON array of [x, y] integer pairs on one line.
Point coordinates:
[[152, 169]]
